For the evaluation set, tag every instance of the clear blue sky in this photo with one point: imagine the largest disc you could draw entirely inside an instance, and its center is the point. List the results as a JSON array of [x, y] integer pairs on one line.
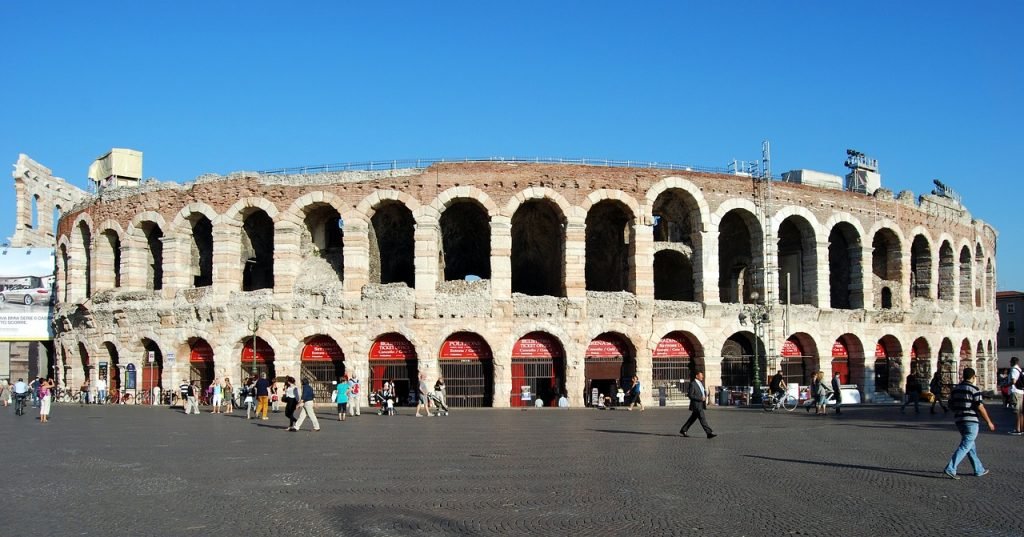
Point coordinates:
[[931, 89]]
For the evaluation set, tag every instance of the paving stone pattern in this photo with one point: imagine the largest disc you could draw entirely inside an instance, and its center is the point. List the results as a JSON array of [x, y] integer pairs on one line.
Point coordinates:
[[154, 471]]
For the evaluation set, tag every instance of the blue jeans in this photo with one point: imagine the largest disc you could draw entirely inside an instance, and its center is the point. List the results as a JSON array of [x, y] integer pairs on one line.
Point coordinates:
[[968, 434], [101, 397]]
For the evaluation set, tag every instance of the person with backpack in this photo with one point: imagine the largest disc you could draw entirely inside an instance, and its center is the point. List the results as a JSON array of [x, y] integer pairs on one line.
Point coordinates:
[[1017, 395]]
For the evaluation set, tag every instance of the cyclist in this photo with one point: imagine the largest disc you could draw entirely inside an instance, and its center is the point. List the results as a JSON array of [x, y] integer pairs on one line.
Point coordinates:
[[778, 385], [20, 394]]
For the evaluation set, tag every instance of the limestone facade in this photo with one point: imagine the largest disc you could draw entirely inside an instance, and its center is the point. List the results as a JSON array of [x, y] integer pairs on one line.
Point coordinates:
[[623, 256]]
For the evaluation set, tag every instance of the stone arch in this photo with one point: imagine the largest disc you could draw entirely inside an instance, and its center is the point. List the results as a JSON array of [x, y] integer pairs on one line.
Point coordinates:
[[462, 193], [797, 254], [990, 284], [740, 255], [845, 251], [541, 193], [606, 194], [392, 243], [921, 265], [109, 248], [369, 205], [947, 272], [966, 282], [887, 266], [81, 255], [979, 276], [610, 246], [321, 237], [800, 359], [692, 193], [888, 365], [538, 248], [256, 232], [146, 234], [848, 359], [464, 247], [738, 360], [539, 360], [193, 226]]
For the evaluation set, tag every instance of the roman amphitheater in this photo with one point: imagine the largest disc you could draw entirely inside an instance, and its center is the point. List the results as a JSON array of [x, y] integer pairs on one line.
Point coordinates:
[[499, 275]]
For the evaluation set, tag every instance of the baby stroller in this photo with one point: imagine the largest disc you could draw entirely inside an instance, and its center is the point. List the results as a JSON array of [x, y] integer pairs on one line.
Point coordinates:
[[439, 407], [386, 402]]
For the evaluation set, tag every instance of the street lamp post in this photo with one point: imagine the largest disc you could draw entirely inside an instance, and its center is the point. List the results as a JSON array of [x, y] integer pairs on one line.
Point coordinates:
[[254, 326], [758, 314]]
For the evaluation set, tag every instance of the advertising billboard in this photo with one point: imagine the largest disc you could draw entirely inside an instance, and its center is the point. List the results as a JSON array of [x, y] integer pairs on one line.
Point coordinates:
[[26, 294]]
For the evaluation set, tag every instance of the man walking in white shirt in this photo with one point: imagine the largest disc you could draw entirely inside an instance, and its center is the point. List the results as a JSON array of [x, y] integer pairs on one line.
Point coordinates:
[[1016, 397]]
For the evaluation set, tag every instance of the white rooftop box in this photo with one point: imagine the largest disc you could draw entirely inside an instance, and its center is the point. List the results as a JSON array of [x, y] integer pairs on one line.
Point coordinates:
[[813, 178]]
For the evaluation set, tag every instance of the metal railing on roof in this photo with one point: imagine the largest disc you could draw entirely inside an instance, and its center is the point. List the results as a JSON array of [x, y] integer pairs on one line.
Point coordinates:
[[385, 165]]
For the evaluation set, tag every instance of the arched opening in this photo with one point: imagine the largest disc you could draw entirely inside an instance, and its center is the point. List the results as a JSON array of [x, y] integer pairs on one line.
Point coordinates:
[[739, 257], [83, 356], [888, 353], [676, 359], [538, 249], [200, 362], [979, 281], [323, 364], [885, 266], [465, 242], [844, 267], [799, 360], [676, 218], [947, 272], [86, 237], [965, 362], [920, 364], [108, 256], [990, 285], [393, 358], [921, 268], [965, 276], [34, 224], [392, 245], [257, 251], [610, 247], [154, 255], [322, 245], [257, 358], [468, 369], [201, 250], [886, 298], [609, 365], [798, 263], [111, 370], [152, 367], [538, 369], [673, 276], [65, 261], [848, 360], [738, 363]]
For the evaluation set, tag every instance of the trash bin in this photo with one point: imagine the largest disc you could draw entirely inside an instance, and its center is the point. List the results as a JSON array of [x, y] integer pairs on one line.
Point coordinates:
[[662, 396], [723, 397]]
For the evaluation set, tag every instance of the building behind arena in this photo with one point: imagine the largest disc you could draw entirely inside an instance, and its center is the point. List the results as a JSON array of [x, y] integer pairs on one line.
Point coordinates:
[[510, 276]]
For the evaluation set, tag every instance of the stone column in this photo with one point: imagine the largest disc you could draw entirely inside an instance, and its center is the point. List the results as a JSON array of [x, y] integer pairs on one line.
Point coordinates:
[[501, 261], [356, 250], [426, 266], [287, 258], [823, 288], [177, 263], [642, 263], [706, 265], [575, 258], [227, 253]]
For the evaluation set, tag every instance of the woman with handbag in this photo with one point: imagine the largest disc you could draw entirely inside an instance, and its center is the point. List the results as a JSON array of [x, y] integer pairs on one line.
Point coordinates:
[[291, 401]]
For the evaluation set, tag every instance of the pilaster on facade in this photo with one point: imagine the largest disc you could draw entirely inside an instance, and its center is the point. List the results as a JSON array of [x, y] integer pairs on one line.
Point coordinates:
[[356, 251], [709, 265], [642, 262], [501, 258], [575, 258]]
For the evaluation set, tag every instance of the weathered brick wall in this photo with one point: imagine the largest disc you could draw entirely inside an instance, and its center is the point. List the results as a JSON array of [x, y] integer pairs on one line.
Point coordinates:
[[355, 311]]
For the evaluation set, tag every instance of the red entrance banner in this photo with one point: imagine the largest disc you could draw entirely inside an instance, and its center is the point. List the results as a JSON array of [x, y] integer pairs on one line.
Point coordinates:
[[537, 345], [790, 349], [465, 347], [392, 347], [674, 346], [607, 347], [264, 352], [322, 349], [880, 351], [839, 350], [201, 352]]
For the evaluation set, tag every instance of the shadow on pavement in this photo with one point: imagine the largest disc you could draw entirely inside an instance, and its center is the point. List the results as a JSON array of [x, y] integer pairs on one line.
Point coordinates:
[[617, 431], [883, 469]]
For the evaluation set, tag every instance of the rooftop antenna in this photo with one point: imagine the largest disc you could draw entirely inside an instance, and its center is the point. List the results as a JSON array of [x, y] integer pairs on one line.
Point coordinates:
[[863, 176]]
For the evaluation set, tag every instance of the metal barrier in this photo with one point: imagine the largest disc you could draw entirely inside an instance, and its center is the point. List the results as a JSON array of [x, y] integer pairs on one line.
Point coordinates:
[[385, 165]]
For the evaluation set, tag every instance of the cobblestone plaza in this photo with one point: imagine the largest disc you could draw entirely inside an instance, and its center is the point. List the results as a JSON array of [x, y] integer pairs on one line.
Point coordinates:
[[127, 470]]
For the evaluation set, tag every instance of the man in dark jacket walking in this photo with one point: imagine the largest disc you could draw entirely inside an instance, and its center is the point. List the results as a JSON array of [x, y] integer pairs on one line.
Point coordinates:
[[307, 407], [698, 402]]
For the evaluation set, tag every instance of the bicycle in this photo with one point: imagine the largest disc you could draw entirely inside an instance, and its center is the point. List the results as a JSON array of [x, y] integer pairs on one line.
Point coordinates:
[[774, 402], [19, 403], [145, 398]]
